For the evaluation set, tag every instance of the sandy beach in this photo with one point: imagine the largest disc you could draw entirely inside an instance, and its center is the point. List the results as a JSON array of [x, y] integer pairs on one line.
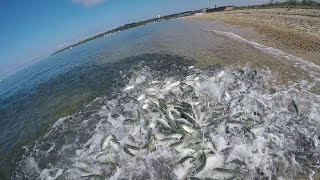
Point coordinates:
[[292, 32], [296, 31]]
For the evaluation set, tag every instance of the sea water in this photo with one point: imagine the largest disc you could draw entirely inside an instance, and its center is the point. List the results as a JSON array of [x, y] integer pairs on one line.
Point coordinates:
[[164, 101]]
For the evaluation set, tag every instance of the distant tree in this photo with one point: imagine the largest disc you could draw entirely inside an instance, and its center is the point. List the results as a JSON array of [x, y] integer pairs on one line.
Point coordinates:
[[292, 2], [306, 2]]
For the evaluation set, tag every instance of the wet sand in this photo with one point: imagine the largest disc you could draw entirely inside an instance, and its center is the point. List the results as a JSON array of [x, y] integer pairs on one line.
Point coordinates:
[[296, 31]]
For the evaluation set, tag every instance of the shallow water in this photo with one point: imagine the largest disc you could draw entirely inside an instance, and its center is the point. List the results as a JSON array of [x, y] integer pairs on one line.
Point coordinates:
[[164, 91]]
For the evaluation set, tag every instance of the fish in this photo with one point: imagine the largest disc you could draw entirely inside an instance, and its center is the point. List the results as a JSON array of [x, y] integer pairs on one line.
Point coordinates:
[[186, 105], [115, 145], [169, 115], [102, 154], [95, 153], [273, 155], [232, 177], [237, 161], [194, 178], [185, 159], [83, 170], [255, 126], [227, 150], [93, 176], [132, 147], [105, 143], [136, 101], [126, 150], [126, 114], [163, 123], [295, 107], [223, 170], [235, 122], [139, 115], [175, 112], [153, 100], [154, 82], [189, 118], [147, 138], [188, 129], [257, 114], [109, 163], [196, 112], [237, 115], [129, 121], [202, 165], [218, 121], [162, 105], [183, 121], [169, 139], [181, 140], [146, 145]]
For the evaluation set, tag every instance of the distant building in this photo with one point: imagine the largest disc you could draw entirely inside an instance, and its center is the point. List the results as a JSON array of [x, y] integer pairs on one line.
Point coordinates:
[[198, 14], [229, 8]]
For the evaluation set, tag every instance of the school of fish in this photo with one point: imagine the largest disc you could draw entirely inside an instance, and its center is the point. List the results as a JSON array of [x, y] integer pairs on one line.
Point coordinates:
[[226, 124]]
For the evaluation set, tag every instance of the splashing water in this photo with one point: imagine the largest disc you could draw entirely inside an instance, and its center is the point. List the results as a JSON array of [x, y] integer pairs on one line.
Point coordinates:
[[221, 124]]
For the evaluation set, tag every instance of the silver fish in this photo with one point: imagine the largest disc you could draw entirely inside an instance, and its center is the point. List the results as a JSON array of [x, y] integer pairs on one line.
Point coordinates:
[[202, 165], [235, 122], [163, 123], [227, 150], [237, 115], [181, 140], [188, 129], [185, 159], [194, 178], [175, 112], [237, 161], [131, 147], [188, 117], [126, 150], [106, 141], [223, 170], [133, 99], [93, 176], [293, 107], [196, 113], [183, 121]]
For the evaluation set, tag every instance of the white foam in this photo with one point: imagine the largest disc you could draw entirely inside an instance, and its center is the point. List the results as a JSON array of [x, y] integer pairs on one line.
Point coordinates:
[[128, 88]]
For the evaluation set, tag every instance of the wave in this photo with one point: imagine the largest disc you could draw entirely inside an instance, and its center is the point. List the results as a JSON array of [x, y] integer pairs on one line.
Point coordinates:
[[222, 124], [312, 68]]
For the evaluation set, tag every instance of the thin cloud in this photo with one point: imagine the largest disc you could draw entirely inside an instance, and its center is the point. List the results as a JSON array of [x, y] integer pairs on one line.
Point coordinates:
[[89, 3]]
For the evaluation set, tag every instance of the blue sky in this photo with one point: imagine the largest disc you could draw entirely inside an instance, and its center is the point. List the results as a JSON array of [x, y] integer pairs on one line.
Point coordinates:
[[32, 29]]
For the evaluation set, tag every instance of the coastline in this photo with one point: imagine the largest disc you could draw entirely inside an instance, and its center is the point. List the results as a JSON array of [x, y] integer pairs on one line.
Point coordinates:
[[145, 22], [295, 31], [130, 26]]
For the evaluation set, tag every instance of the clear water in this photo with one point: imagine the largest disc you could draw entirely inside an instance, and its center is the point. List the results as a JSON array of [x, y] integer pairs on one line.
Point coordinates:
[[134, 104]]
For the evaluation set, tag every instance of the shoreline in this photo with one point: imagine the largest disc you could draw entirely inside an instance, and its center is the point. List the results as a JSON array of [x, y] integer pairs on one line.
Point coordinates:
[[295, 31]]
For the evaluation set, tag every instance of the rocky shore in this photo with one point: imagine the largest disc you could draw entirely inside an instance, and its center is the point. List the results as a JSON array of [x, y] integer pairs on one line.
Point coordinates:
[[296, 31]]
